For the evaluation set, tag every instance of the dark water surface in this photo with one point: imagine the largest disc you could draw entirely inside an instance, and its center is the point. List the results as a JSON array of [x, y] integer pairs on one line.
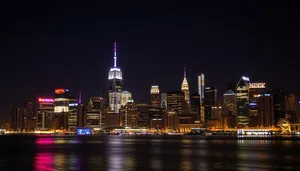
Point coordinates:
[[47, 153]]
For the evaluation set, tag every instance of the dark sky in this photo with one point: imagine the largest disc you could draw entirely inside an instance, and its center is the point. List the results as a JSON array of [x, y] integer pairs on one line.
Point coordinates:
[[45, 46]]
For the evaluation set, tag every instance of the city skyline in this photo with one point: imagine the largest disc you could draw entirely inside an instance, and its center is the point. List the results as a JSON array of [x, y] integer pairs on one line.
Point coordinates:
[[55, 54]]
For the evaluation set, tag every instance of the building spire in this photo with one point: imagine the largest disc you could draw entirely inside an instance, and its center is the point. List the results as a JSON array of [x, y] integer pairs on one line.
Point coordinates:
[[115, 54], [184, 71], [79, 98]]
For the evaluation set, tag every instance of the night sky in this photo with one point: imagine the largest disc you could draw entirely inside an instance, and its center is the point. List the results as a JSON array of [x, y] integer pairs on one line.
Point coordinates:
[[47, 46]]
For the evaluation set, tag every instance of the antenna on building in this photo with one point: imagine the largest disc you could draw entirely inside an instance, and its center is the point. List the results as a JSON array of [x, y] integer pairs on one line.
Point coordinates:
[[115, 54], [79, 98], [184, 70]]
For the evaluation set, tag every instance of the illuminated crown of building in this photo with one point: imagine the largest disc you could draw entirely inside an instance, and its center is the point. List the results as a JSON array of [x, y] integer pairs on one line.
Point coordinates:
[[184, 85], [154, 89]]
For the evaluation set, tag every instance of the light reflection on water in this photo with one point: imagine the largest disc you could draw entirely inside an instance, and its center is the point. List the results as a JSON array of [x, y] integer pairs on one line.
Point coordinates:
[[116, 153]]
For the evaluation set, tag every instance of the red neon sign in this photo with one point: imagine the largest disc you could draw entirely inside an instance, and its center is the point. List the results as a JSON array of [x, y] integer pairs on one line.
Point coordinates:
[[46, 100], [60, 91]]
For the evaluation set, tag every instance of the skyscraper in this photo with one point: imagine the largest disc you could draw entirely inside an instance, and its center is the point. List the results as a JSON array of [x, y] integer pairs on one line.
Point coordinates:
[[163, 101], [201, 94], [154, 96], [175, 101], [278, 103], [210, 101], [125, 95], [115, 84], [185, 87], [242, 101]]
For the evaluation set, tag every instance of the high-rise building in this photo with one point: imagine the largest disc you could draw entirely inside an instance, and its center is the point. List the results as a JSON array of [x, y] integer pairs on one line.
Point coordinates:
[[93, 116], [72, 114], [163, 101], [61, 108], [185, 87], [229, 102], [266, 115], [45, 113], [129, 114], [210, 100], [156, 118], [291, 108], [143, 114], [17, 119], [255, 90], [81, 115], [278, 103], [30, 116], [201, 87], [115, 84], [229, 110], [175, 101], [154, 96], [242, 100], [195, 105], [125, 95]]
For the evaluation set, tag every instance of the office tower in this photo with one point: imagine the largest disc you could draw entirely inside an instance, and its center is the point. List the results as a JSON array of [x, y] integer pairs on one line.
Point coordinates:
[[229, 108], [125, 95], [278, 103], [154, 96], [72, 114], [266, 115], [129, 114], [185, 87], [81, 115], [156, 118], [30, 116], [45, 113], [163, 97], [16, 119], [92, 116], [255, 91], [201, 87], [291, 108], [143, 114], [175, 101], [195, 105], [115, 84], [62, 99], [242, 101], [210, 100]]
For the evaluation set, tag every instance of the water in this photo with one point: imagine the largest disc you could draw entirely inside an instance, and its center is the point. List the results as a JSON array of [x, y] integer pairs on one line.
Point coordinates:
[[114, 153]]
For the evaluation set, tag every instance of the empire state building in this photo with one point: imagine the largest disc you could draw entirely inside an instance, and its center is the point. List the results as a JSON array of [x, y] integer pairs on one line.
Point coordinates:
[[115, 84]]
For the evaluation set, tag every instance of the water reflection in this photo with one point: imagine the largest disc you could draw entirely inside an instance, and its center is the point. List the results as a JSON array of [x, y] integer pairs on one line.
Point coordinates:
[[44, 162], [150, 153]]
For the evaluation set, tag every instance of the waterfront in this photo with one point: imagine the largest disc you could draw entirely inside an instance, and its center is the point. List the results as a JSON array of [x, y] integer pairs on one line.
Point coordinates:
[[147, 153]]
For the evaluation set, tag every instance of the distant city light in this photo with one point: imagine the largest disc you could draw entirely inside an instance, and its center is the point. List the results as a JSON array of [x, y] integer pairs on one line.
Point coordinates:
[[73, 104]]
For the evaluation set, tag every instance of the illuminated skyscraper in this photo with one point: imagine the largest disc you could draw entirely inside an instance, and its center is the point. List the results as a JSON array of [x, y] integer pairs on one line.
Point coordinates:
[[115, 84], [242, 101], [154, 96], [163, 101], [124, 97], [185, 87], [201, 94]]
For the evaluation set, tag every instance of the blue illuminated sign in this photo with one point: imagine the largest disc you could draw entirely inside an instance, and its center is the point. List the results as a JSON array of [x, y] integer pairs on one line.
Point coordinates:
[[83, 131]]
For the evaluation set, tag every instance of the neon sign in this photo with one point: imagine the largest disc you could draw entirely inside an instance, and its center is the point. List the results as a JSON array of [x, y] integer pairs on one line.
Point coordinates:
[[45, 100], [257, 85], [60, 91]]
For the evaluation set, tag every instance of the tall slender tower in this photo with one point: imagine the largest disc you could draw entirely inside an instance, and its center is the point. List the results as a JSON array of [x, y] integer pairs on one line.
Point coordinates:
[[185, 87], [115, 84], [201, 93]]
